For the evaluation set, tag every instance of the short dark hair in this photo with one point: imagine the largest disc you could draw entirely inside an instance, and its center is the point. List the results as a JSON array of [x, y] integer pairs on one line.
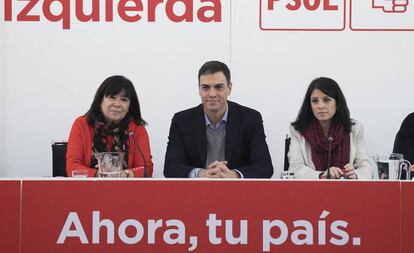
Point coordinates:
[[111, 86], [212, 67], [330, 88]]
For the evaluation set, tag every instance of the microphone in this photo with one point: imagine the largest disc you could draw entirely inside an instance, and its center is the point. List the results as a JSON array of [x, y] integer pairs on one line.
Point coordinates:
[[330, 139], [140, 152]]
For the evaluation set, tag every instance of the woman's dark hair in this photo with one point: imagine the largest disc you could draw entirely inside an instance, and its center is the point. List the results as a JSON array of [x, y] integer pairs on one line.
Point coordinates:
[[111, 86], [330, 88]]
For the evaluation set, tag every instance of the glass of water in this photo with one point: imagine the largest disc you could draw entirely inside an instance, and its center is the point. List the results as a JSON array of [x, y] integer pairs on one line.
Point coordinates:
[[287, 175], [80, 173]]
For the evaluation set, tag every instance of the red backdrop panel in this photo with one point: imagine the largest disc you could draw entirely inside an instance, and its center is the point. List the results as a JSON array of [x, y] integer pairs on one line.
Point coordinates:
[[363, 216], [407, 206], [10, 216]]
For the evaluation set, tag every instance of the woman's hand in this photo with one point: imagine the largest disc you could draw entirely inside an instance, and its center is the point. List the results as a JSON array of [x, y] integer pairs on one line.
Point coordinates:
[[97, 174], [349, 171], [335, 173], [127, 173]]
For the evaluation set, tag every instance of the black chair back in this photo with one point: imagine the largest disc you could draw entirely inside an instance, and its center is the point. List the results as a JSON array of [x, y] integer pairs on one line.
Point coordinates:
[[287, 145], [59, 158]]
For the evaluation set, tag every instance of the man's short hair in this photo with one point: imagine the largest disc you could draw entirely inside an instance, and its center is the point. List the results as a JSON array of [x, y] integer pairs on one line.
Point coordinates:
[[212, 67]]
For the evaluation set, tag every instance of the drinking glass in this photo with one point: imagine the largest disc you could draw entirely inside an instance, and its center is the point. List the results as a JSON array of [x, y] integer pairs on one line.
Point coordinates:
[[287, 175], [80, 173]]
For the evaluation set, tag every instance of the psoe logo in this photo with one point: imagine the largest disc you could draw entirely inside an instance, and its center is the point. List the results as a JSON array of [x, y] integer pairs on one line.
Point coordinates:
[[126, 10]]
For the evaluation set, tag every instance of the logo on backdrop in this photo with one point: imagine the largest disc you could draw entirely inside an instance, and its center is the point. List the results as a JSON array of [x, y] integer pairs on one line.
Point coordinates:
[[391, 5], [68, 11], [332, 15]]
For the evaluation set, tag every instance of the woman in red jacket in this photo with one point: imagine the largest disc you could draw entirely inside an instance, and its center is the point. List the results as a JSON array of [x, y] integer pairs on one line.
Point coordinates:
[[112, 124]]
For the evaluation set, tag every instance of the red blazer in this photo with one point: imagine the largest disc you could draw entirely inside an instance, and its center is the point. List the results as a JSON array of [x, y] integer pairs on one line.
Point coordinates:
[[78, 155]]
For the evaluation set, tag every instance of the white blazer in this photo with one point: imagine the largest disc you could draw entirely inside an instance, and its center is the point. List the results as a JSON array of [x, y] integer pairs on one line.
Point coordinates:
[[300, 157]]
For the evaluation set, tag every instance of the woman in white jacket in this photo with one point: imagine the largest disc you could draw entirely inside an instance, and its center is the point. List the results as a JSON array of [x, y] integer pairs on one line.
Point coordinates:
[[325, 142]]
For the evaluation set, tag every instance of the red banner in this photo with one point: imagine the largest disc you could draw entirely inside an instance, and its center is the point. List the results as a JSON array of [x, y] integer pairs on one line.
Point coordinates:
[[206, 216], [407, 216], [10, 216]]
